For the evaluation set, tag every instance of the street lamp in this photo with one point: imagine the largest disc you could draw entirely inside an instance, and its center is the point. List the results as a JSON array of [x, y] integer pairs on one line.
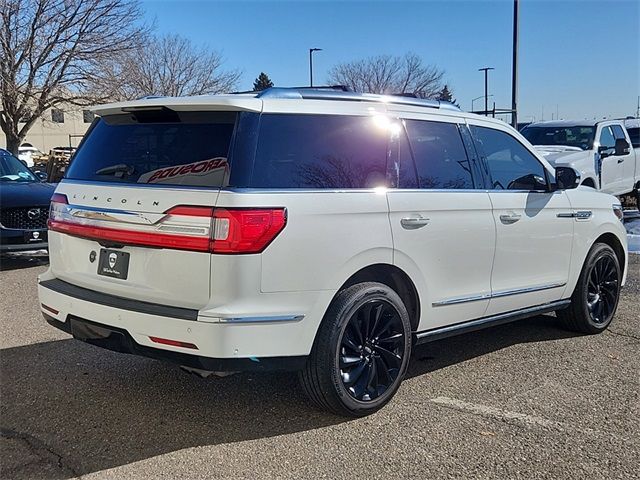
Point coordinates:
[[311, 50], [486, 87], [478, 98]]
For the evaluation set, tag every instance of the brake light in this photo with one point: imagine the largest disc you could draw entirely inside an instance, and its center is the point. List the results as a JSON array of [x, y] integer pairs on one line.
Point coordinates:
[[184, 227], [246, 230]]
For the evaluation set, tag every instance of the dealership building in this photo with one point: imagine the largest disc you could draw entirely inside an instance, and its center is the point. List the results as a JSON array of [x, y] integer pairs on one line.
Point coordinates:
[[59, 128]]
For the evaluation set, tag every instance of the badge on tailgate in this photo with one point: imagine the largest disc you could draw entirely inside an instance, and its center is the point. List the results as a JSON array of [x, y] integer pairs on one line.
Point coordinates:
[[113, 263]]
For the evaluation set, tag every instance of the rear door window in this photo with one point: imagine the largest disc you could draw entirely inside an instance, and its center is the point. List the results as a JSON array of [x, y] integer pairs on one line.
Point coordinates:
[[320, 151], [441, 161], [166, 147]]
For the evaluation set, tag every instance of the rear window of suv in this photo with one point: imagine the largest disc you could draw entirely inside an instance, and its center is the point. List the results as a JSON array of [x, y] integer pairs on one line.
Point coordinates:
[[164, 147]]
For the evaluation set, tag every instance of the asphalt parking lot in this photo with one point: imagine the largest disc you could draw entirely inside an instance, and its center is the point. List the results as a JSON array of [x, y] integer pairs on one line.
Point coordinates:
[[526, 400]]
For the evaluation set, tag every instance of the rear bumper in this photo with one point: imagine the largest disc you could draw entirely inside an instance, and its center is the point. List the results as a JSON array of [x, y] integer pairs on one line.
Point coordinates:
[[126, 325], [119, 340]]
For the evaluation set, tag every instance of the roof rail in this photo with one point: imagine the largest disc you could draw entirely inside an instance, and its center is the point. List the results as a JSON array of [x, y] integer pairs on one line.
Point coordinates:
[[324, 93]]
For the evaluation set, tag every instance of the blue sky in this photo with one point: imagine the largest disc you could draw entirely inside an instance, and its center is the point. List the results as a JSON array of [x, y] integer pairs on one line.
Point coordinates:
[[581, 57]]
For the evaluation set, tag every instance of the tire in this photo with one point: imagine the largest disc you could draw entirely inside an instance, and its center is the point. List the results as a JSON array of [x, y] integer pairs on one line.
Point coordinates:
[[595, 298], [361, 351]]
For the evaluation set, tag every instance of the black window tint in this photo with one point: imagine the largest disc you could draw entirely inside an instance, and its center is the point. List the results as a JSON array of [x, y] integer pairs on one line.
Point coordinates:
[[607, 139], [320, 151], [179, 148], [634, 135], [440, 157], [617, 132], [511, 165]]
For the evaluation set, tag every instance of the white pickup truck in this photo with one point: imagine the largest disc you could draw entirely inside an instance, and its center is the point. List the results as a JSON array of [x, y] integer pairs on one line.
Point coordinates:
[[602, 151]]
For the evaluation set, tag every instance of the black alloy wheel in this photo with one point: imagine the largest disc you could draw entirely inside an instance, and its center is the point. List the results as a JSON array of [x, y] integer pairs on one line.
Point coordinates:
[[371, 350], [602, 290], [595, 298], [361, 351]]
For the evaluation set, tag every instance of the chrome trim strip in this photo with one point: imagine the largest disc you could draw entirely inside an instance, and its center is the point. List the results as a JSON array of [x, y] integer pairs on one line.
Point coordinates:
[[273, 318], [518, 291], [498, 294], [579, 215], [501, 318], [455, 300]]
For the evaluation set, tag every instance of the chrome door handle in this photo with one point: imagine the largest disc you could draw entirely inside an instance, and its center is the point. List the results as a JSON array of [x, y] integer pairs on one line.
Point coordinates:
[[411, 223], [510, 218]]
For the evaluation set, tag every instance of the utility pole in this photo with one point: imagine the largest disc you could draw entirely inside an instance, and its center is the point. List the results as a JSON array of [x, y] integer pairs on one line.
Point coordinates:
[[514, 66], [486, 87], [311, 50]]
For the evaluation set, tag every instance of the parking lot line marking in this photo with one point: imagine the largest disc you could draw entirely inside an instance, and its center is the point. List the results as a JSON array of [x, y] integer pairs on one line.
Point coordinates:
[[500, 414]]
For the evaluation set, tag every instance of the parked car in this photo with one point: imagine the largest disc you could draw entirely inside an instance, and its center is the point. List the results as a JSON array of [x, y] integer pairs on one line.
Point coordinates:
[[600, 151], [24, 206], [318, 231], [26, 154]]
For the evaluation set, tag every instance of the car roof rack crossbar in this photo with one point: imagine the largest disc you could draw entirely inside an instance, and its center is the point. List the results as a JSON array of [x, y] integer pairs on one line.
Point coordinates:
[[314, 93]]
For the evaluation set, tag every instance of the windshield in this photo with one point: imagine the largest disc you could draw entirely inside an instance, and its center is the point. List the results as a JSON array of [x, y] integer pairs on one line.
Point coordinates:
[[165, 147], [13, 170], [576, 136]]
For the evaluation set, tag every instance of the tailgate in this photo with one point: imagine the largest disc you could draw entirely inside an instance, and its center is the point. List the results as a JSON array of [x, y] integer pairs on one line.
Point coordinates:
[[165, 247]]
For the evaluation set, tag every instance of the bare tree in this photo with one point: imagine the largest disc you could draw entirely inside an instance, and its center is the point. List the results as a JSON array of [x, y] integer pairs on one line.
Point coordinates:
[[389, 74], [50, 49], [169, 65]]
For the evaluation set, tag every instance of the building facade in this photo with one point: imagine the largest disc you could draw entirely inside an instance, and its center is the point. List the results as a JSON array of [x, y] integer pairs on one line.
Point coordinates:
[[59, 128]]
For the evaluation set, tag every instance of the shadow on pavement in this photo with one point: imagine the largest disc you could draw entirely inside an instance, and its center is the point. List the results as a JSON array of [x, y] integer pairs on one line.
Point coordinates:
[[95, 409], [14, 261]]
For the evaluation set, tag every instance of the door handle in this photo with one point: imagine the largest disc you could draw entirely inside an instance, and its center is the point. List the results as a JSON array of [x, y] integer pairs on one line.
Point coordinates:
[[620, 160], [412, 223], [510, 218]]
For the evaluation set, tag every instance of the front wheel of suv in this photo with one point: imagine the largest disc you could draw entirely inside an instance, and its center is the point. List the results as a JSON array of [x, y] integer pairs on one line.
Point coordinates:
[[595, 298], [361, 351]]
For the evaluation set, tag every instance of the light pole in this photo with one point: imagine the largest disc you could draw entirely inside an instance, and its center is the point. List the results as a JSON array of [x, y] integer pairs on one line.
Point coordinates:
[[514, 69], [486, 87], [311, 50], [478, 98]]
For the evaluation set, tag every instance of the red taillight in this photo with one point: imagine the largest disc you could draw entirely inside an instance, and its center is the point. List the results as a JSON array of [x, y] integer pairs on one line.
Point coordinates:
[[246, 230], [132, 237], [184, 227], [59, 198], [173, 343]]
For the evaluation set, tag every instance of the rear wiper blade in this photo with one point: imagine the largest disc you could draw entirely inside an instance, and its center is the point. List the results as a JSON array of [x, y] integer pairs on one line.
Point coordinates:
[[118, 170]]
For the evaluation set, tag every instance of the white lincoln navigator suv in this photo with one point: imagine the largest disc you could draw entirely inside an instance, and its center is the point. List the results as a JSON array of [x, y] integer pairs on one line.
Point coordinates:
[[320, 231]]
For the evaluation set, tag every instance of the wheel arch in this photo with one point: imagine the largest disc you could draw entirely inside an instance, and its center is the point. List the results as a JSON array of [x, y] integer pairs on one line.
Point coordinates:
[[612, 240], [396, 279]]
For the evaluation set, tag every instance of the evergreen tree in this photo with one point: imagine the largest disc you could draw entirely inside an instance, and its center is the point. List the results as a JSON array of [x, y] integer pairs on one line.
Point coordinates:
[[446, 95], [262, 82]]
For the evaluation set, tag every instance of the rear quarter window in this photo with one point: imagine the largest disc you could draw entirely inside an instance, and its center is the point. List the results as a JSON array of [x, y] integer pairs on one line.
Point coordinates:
[[319, 151]]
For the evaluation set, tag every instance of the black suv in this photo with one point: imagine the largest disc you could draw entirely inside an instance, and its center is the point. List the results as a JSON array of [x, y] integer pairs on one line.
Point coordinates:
[[24, 206]]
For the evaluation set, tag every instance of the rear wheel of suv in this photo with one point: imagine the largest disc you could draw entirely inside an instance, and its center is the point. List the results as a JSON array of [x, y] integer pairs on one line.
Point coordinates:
[[361, 351], [595, 298]]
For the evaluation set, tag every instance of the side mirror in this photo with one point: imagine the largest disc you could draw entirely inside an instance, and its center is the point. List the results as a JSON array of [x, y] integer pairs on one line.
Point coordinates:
[[622, 147], [567, 178], [604, 151]]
